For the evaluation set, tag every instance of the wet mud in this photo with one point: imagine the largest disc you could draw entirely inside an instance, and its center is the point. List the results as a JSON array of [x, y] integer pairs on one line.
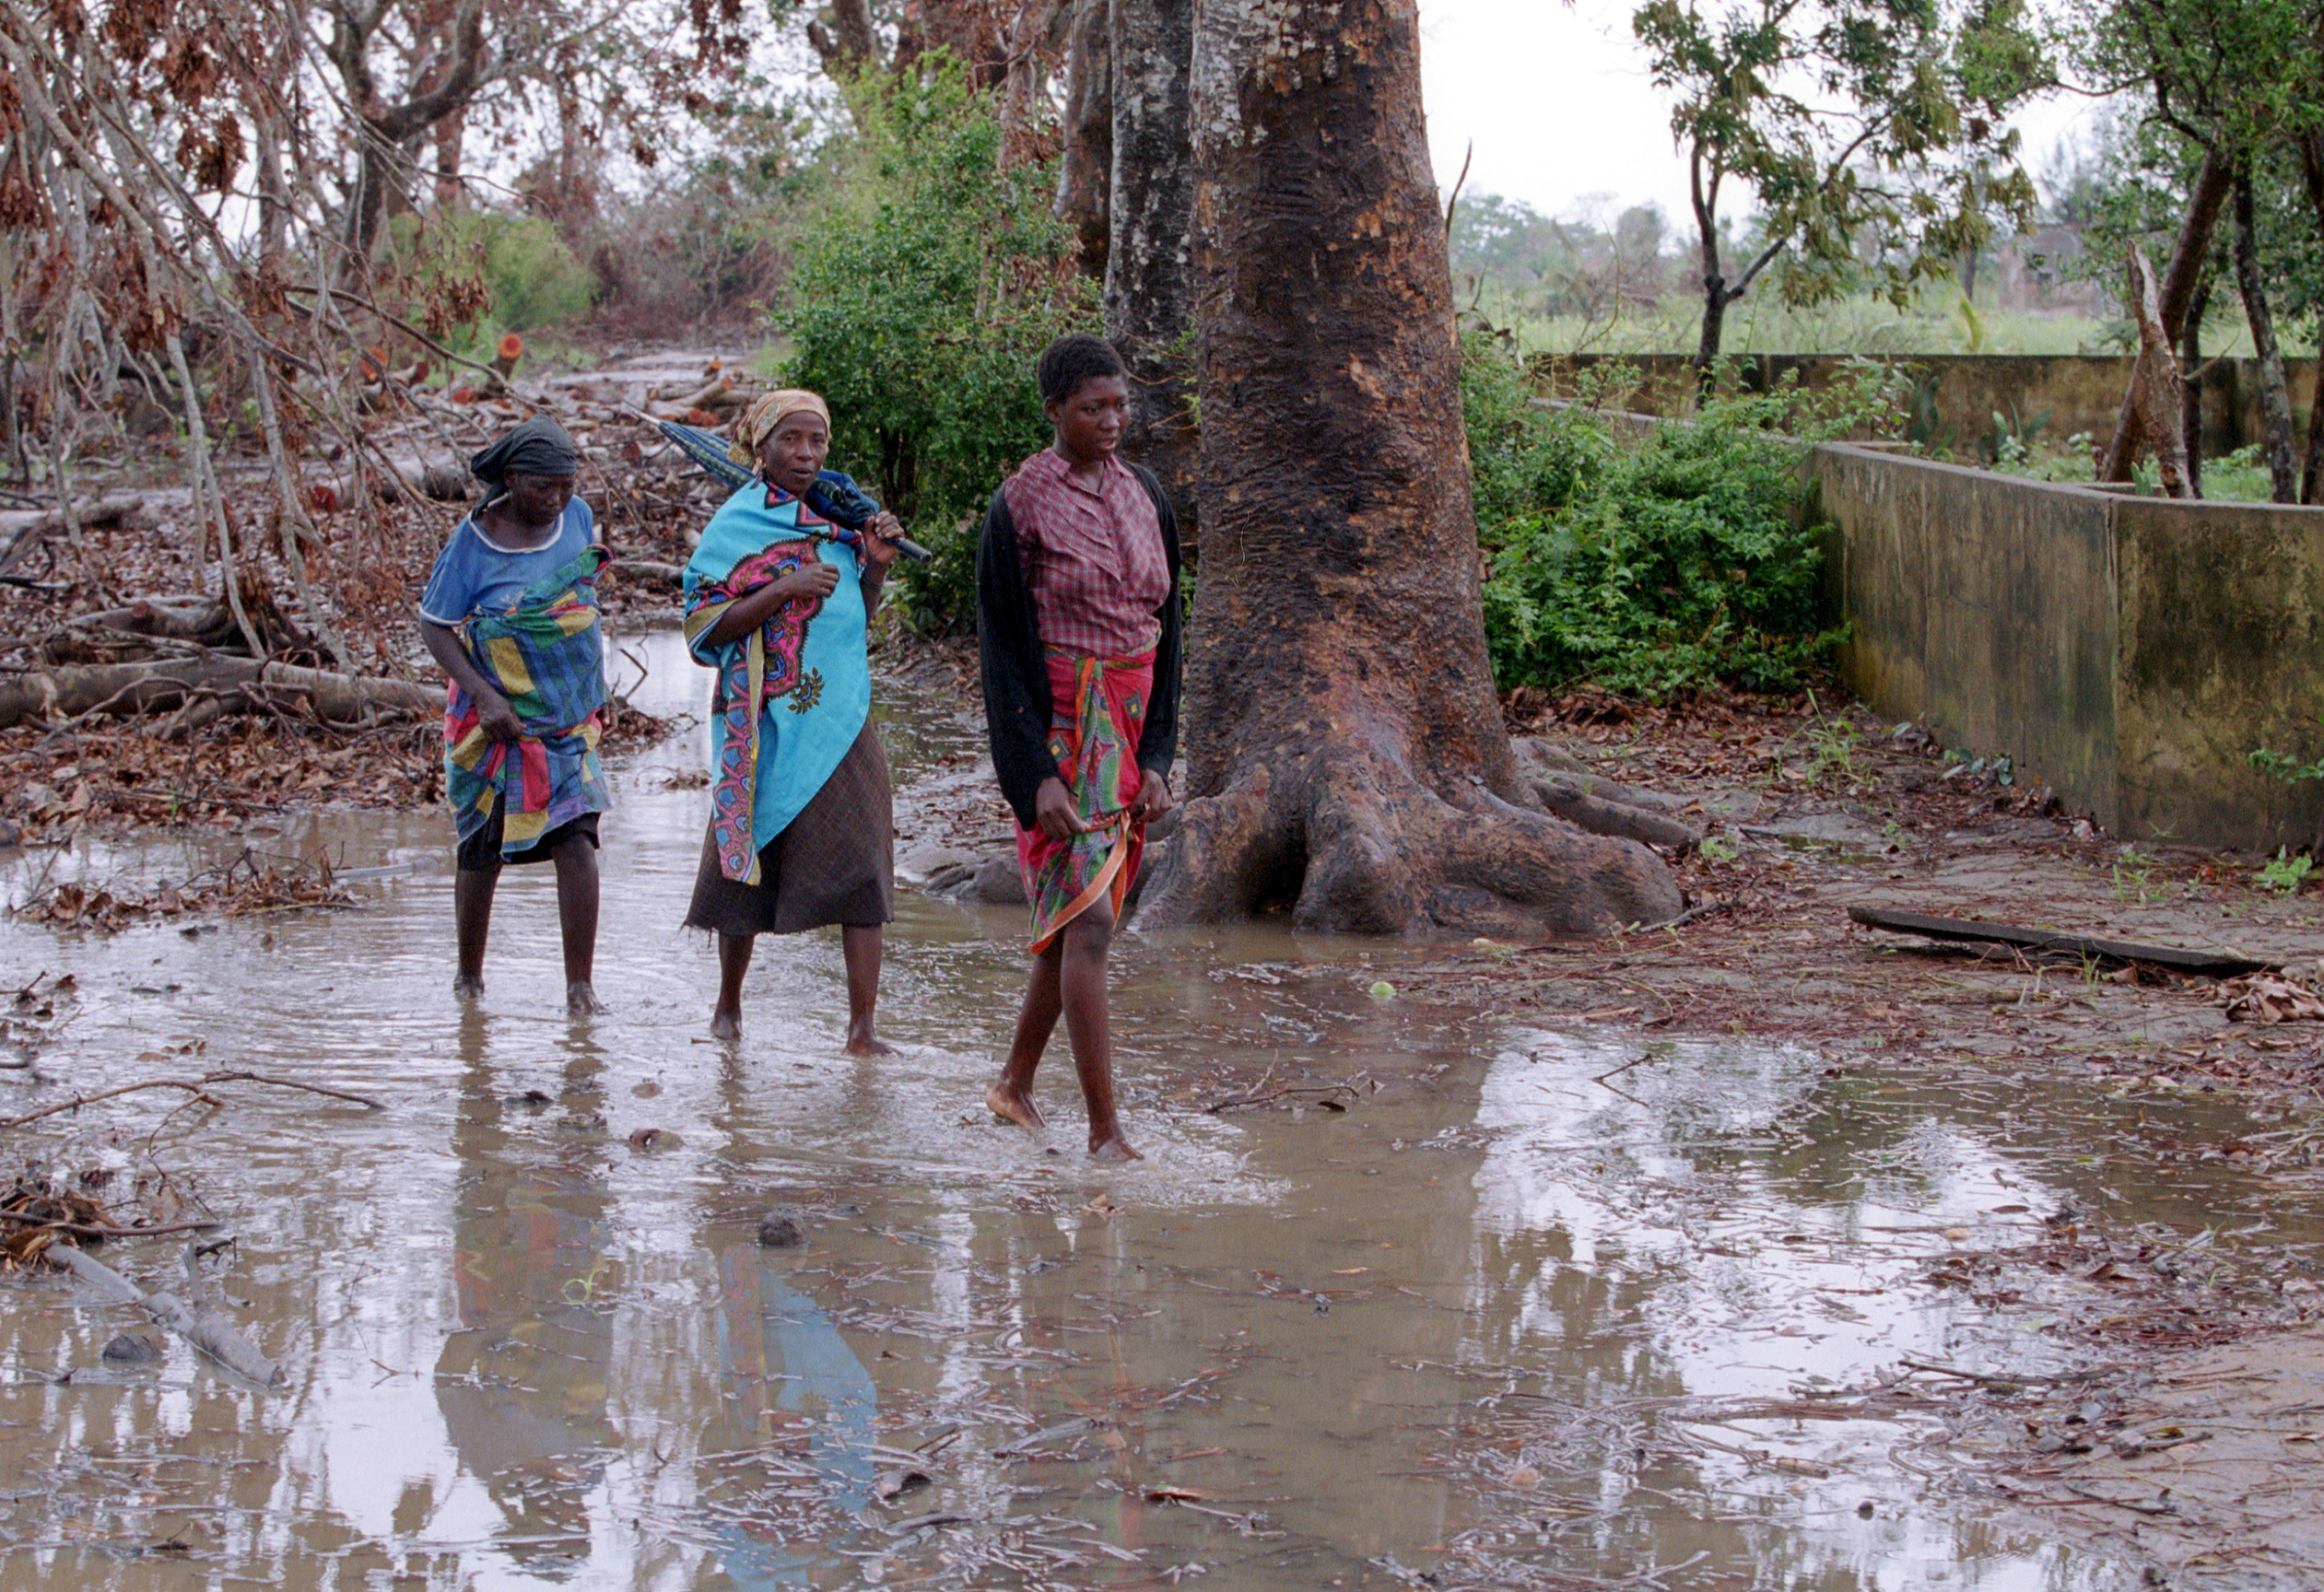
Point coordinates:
[[1442, 1293]]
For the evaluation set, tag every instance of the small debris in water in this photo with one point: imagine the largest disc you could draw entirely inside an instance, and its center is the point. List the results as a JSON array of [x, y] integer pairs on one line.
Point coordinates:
[[133, 1349], [896, 1483]]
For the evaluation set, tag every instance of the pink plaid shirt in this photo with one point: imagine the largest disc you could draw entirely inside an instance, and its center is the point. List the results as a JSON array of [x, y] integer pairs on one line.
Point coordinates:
[[1093, 561]]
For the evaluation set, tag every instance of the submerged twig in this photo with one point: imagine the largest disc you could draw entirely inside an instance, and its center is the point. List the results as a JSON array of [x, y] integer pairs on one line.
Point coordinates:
[[198, 1088]]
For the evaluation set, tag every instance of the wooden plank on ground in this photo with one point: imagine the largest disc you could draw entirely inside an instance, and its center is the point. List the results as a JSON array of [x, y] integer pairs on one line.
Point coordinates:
[[2204, 964]]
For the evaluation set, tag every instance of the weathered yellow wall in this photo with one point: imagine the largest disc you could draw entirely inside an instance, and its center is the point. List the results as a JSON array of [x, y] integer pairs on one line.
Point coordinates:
[[2221, 633], [1983, 605], [2132, 651]]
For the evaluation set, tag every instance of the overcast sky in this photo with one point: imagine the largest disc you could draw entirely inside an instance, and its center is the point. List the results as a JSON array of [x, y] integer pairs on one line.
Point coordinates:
[[1557, 101]]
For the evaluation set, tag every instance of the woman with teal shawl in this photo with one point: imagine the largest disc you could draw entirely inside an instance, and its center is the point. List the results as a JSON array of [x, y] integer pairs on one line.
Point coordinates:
[[778, 599]]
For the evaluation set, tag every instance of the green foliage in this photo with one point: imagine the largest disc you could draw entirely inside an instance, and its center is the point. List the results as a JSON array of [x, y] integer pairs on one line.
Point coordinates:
[[2285, 874], [1687, 561], [2011, 442], [500, 272], [2291, 771], [1899, 162], [918, 306]]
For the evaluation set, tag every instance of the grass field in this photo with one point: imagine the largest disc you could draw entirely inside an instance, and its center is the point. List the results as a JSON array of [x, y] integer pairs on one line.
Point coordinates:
[[1762, 325]]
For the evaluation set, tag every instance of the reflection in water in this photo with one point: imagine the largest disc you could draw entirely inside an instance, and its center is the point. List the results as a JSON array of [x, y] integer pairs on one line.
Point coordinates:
[[521, 1378], [532, 1343]]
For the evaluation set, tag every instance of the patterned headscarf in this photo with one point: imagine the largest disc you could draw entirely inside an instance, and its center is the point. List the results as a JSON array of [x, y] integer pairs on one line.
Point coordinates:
[[760, 419], [537, 447]]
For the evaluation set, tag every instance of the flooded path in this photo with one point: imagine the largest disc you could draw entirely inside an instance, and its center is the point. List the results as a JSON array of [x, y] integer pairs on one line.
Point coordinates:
[[532, 1338]]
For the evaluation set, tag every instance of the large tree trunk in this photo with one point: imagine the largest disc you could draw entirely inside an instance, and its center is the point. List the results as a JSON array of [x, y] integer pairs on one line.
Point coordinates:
[[1346, 753], [2275, 397], [1149, 267], [2155, 401], [2178, 290], [1084, 174], [2311, 150]]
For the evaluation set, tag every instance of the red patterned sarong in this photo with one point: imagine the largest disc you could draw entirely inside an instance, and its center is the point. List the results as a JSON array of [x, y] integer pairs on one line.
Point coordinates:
[[1097, 710]]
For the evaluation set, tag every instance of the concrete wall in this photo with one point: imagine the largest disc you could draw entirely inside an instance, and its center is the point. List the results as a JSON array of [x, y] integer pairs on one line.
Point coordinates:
[[2083, 394], [2130, 652]]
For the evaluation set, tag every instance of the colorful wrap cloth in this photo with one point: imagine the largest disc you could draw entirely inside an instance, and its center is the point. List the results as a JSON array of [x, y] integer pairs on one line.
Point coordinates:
[[546, 655], [791, 697], [1098, 715]]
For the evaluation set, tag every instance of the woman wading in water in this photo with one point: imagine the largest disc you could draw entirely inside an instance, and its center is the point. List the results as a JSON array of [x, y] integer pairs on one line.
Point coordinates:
[[511, 615], [1077, 634], [802, 831]]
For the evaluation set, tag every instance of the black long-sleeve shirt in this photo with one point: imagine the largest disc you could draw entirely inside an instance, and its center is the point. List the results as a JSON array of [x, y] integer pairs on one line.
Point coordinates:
[[1016, 675]]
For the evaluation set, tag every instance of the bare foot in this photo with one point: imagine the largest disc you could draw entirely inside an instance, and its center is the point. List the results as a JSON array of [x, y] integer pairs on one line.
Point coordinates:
[[464, 988], [1112, 1147], [861, 1042], [726, 1024], [1011, 1103], [580, 1000]]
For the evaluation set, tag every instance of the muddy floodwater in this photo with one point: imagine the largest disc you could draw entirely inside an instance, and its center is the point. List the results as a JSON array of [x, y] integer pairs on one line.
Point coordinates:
[[531, 1337]]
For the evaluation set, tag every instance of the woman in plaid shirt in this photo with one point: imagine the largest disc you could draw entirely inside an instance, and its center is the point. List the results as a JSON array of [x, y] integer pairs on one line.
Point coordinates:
[[1078, 637]]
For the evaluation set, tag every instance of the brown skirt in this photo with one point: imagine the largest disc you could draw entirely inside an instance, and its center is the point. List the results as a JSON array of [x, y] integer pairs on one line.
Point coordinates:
[[834, 864]]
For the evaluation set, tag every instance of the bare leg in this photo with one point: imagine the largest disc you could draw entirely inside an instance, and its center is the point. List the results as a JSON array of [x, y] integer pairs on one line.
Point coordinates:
[[733, 961], [1082, 984], [1011, 1098], [472, 891], [859, 944], [577, 921]]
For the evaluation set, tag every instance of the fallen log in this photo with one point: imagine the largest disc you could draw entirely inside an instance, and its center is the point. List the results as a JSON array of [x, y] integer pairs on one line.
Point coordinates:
[[204, 621], [238, 685], [2203, 963], [202, 1324], [442, 480], [21, 528]]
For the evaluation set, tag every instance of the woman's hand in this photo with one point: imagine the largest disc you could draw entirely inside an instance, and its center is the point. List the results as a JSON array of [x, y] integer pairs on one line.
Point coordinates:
[[815, 580], [496, 718], [879, 533], [1153, 799], [1053, 813]]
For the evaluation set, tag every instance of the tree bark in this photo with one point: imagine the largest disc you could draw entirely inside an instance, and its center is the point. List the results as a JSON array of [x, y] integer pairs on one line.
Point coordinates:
[[1025, 86], [1345, 752], [2312, 463], [2311, 151], [1085, 176], [2190, 373], [2178, 290], [2154, 402], [2275, 398], [1149, 265], [383, 129]]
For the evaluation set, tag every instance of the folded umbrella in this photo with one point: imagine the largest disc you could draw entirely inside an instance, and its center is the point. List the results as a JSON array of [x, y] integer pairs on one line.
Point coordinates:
[[834, 496]]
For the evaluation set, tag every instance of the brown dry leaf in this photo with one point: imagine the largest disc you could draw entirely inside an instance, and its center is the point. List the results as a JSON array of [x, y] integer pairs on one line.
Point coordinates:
[[2269, 998]]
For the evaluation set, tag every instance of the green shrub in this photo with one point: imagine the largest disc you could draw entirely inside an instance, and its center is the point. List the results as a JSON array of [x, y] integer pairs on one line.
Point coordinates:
[[1685, 562], [919, 307], [472, 275]]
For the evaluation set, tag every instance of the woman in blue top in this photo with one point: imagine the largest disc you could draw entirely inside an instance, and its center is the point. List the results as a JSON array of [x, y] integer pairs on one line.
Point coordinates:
[[510, 613], [777, 600]]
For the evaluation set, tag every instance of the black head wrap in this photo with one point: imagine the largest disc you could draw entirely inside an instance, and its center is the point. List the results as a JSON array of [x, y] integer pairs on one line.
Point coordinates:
[[538, 447]]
